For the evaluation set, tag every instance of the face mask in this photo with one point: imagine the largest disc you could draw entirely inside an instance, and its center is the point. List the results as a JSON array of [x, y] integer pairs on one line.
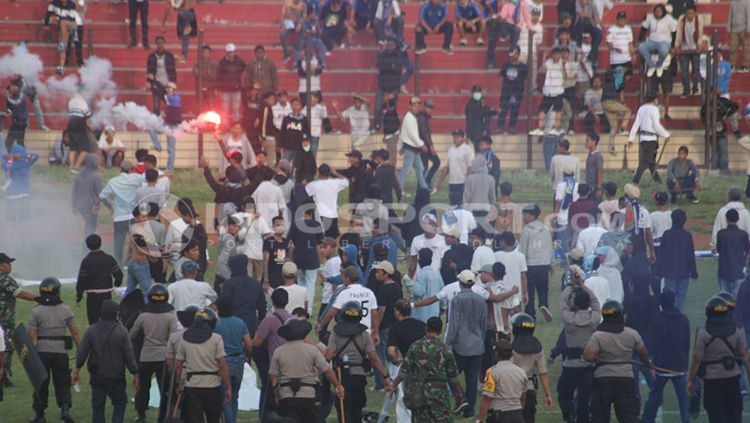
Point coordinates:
[[306, 147], [477, 96]]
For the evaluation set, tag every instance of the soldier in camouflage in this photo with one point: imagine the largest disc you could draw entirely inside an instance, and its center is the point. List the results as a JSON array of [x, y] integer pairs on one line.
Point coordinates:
[[9, 291], [427, 369]]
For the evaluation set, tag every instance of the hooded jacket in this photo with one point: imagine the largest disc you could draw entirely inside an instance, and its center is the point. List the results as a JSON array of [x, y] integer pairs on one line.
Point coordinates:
[[87, 186], [536, 244], [670, 346], [641, 311], [19, 172], [609, 270], [479, 191], [352, 254], [676, 259], [248, 299]]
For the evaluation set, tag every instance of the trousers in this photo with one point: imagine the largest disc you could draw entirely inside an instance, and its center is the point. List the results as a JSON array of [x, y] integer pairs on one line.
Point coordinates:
[[116, 393], [203, 405], [355, 399], [56, 365], [574, 392], [94, 305], [538, 283], [617, 391], [135, 8], [722, 400], [147, 369], [647, 160]]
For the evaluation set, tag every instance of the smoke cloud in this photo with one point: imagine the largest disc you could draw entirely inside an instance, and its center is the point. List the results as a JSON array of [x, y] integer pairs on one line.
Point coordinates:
[[21, 61]]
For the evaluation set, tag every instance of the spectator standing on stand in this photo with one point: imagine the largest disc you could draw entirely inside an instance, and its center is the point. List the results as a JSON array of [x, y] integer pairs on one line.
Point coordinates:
[[187, 25], [688, 45], [739, 30], [620, 41], [425, 133], [390, 67], [263, 71], [136, 7], [358, 116], [512, 78], [229, 82], [207, 73], [160, 71]]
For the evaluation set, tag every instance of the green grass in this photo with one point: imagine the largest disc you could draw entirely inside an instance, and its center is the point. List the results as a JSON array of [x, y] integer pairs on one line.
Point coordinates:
[[529, 187]]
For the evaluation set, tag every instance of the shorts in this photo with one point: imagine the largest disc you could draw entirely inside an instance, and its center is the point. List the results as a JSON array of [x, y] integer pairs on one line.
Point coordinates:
[[82, 141], [661, 85], [554, 103]]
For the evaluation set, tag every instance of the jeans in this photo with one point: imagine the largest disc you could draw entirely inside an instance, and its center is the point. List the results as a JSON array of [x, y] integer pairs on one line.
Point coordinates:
[[185, 16], [562, 236], [116, 393], [171, 145], [574, 392], [508, 102], [656, 398], [722, 400], [512, 31], [722, 153], [307, 279], [446, 29], [236, 365], [139, 276], [687, 185], [689, 65], [585, 25], [680, 289], [426, 159], [396, 29], [134, 8], [285, 42], [538, 281], [469, 366], [549, 145], [646, 47], [412, 160], [314, 144], [617, 391], [35, 99], [493, 33], [408, 68], [16, 135], [89, 223], [317, 47], [457, 188], [379, 94], [380, 349], [732, 287], [230, 102], [121, 231]]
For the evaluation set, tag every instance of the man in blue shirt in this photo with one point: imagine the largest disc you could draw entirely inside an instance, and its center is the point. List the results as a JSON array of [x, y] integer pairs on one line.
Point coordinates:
[[469, 20], [237, 345], [433, 19]]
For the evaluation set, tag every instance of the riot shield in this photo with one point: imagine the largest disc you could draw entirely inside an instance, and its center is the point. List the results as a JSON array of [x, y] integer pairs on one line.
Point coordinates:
[[29, 358]]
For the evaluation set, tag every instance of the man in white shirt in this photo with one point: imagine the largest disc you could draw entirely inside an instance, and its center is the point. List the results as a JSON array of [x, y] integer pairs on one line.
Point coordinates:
[[457, 164], [588, 239], [269, 201], [188, 291], [297, 293], [358, 116], [430, 239], [446, 295], [253, 229], [735, 202], [620, 41], [555, 74], [515, 266], [412, 145], [281, 109], [325, 192], [660, 26], [458, 217], [483, 255], [112, 150], [354, 291], [648, 127], [563, 159]]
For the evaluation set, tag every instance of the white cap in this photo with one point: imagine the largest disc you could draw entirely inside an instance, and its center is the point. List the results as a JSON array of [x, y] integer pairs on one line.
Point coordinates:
[[230, 47]]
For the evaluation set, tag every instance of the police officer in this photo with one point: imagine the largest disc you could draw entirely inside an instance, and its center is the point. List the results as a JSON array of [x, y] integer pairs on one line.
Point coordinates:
[[504, 390], [429, 367], [580, 313], [528, 354], [720, 348], [201, 352], [156, 324], [48, 327], [295, 371], [9, 291], [353, 354], [611, 347]]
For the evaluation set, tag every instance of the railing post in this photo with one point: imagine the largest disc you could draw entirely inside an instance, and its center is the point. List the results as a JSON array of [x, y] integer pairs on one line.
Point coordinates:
[[714, 94], [308, 85], [200, 91], [90, 42], [529, 96], [417, 71]]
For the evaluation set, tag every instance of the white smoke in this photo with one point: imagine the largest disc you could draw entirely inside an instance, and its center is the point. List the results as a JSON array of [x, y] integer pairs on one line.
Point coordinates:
[[21, 62], [119, 115]]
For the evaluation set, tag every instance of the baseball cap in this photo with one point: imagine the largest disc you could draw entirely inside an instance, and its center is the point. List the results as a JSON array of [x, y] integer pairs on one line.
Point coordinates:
[[467, 277], [4, 258], [415, 100], [126, 165], [284, 165], [452, 230], [289, 269], [575, 254], [458, 133], [487, 268], [601, 251], [230, 48], [354, 153], [385, 266]]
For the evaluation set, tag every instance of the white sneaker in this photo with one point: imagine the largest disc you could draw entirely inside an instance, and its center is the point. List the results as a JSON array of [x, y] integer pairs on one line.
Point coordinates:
[[463, 41], [624, 132], [659, 72], [583, 114], [650, 72], [537, 132], [552, 131]]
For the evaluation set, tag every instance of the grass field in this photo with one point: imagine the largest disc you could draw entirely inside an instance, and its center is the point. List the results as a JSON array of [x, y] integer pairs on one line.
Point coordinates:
[[54, 183]]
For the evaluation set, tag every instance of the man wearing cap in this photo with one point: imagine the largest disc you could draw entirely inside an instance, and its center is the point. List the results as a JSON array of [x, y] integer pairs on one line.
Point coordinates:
[[504, 389], [297, 293], [467, 326], [122, 189], [647, 126], [358, 116], [295, 370], [425, 133], [9, 291], [620, 41], [229, 82], [112, 150], [188, 291], [390, 67], [387, 295], [412, 145], [358, 176], [457, 257], [457, 164]]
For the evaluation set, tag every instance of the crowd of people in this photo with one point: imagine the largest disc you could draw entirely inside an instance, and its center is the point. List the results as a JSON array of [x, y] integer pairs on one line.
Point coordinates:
[[412, 297]]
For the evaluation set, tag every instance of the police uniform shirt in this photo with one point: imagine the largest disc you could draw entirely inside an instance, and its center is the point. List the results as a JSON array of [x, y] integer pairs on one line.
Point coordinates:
[[365, 344], [297, 360], [173, 344], [202, 358], [156, 329], [532, 364], [615, 348], [51, 321], [361, 295], [504, 383], [716, 351]]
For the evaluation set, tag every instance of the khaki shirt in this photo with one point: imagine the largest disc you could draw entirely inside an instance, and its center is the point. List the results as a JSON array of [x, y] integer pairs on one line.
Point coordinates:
[[615, 348], [532, 364], [51, 321], [716, 350], [505, 383], [202, 358], [297, 360]]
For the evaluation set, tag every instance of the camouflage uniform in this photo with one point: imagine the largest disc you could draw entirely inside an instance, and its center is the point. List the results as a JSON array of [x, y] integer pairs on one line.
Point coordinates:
[[8, 290], [426, 370]]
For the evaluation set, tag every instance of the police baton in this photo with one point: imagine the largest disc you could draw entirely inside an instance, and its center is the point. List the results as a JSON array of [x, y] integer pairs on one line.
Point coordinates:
[[341, 400], [661, 153], [658, 369]]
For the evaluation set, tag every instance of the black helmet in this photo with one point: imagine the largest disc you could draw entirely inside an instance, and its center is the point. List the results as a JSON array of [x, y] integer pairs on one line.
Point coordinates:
[[729, 298], [186, 316], [523, 324], [717, 306], [352, 312], [158, 293], [50, 287], [205, 318], [612, 310]]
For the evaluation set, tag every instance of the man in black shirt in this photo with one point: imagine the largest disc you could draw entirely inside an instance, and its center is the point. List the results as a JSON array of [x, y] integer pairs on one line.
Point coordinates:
[[275, 254], [613, 99], [513, 77], [733, 246], [261, 171], [390, 66], [387, 295], [384, 176], [358, 176], [95, 276], [294, 129], [252, 107], [425, 134]]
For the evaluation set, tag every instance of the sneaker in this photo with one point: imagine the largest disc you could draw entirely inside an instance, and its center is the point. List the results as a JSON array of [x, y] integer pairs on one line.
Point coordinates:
[[448, 51], [490, 66], [480, 41], [461, 407], [537, 132], [286, 59], [583, 114], [44, 128], [571, 132], [650, 72], [463, 41], [60, 70], [405, 47], [420, 51], [73, 171], [553, 131], [694, 200], [547, 315], [132, 44], [667, 117], [659, 72], [685, 94], [697, 91], [403, 90], [328, 53], [6, 184], [623, 132], [738, 134], [743, 69], [181, 59], [611, 150]]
